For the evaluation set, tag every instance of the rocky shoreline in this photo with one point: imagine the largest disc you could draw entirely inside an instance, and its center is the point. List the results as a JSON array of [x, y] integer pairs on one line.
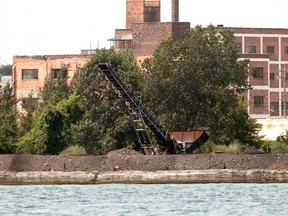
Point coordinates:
[[144, 177]]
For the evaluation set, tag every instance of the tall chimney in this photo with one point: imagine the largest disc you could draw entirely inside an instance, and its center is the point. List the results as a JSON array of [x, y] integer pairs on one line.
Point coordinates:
[[175, 10]]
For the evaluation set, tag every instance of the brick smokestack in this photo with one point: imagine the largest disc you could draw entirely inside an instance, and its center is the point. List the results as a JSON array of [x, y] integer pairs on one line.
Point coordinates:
[[175, 10]]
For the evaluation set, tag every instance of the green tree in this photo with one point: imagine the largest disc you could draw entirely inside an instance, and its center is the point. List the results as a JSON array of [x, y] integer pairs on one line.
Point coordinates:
[[194, 84], [8, 119], [6, 70], [49, 131], [30, 106], [105, 125]]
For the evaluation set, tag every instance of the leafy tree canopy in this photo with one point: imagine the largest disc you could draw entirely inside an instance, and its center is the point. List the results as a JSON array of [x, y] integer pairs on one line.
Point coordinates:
[[8, 117], [193, 84]]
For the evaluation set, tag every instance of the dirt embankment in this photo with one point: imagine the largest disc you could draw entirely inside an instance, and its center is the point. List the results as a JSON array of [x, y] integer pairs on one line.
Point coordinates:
[[130, 160]]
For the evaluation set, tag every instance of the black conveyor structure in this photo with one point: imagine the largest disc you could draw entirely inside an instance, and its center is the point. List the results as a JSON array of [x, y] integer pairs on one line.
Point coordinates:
[[142, 118]]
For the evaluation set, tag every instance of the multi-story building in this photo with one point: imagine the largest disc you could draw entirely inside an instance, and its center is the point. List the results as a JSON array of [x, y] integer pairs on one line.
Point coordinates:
[[30, 72], [144, 29], [266, 48]]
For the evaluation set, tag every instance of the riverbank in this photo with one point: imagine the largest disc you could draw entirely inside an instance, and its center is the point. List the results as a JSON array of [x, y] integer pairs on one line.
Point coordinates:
[[129, 166], [145, 177]]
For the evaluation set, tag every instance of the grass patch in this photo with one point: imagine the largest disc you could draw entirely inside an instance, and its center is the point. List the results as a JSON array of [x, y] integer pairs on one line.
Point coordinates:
[[73, 150], [232, 148], [275, 145], [210, 147]]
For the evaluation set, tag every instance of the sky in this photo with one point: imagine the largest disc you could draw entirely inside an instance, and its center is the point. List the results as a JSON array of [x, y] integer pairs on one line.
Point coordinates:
[[52, 27]]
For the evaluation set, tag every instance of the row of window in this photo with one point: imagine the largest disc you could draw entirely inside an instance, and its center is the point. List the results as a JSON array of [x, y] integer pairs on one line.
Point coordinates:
[[269, 49], [258, 74], [259, 103], [31, 74]]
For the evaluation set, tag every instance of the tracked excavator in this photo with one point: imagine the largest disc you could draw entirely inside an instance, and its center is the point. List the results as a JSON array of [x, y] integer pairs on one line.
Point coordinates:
[[146, 124]]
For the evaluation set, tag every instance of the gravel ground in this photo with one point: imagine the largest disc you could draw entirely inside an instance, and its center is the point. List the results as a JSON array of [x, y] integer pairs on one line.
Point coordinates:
[[126, 159]]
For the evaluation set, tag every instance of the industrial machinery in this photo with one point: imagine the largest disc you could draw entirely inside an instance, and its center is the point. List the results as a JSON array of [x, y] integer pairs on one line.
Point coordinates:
[[144, 121]]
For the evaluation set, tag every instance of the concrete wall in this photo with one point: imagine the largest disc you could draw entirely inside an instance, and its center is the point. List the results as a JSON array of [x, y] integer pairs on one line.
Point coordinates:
[[145, 177]]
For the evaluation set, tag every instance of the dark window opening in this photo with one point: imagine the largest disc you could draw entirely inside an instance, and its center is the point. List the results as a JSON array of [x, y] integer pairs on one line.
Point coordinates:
[[252, 49], [258, 73], [28, 74], [286, 50], [286, 76], [272, 76], [258, 101], [283, 104], [270, 49], [274, 109], [126, 44], [59, 73]]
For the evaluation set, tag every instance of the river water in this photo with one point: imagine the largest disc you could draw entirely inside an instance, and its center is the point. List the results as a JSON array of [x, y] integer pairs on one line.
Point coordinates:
[[130, 199]]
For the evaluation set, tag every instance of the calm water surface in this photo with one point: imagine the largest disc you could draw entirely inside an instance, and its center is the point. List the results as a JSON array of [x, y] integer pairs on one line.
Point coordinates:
[[166, 199]]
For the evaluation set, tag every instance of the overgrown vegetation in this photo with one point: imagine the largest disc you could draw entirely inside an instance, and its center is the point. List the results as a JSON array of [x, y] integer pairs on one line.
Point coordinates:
[[8, 120], [189, 85]]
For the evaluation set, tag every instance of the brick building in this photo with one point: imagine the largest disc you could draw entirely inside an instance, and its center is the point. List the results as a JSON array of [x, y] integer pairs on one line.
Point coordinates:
[[267, 50], [144, 29]]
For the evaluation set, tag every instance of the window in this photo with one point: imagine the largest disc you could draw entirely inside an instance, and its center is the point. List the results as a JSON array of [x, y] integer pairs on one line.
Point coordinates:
[[284, 105], [286, 49], [59, 73], [286, 76], [126, 44], [29, 74], [258, 73], [272, 76], [258, 101], [270, 49], [252, 49], [274, 108]]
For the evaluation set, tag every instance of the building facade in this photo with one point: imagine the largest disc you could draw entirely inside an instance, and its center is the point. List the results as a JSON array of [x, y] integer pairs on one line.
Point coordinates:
[[267, 50], [144, 29], [30, 72]]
